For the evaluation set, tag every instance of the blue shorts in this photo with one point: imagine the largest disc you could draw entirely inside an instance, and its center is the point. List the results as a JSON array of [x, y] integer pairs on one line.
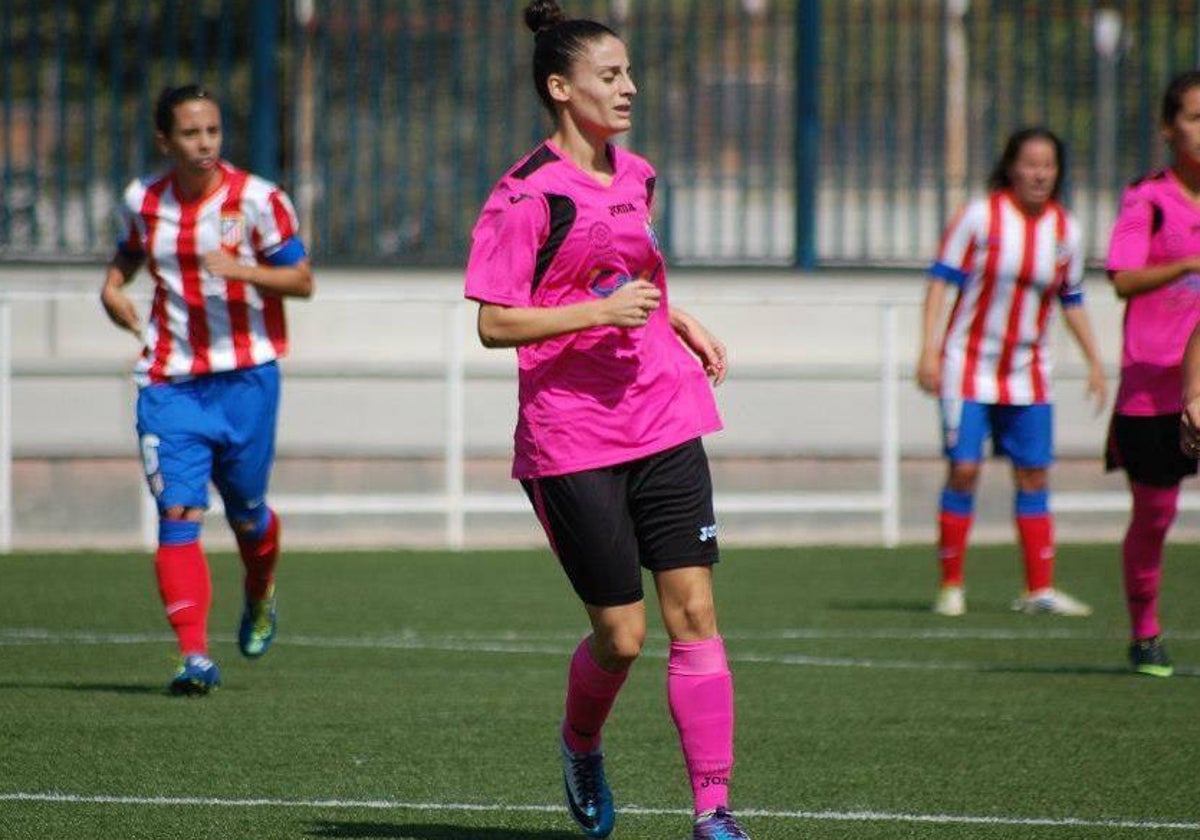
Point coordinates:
[[1023, 433], [218, 427]]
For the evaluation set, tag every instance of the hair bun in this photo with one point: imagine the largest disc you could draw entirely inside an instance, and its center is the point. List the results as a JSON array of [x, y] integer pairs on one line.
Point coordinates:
[[541, 15]]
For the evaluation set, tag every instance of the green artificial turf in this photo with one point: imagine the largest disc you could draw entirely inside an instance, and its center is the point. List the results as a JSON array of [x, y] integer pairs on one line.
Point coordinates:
[[404, 686]]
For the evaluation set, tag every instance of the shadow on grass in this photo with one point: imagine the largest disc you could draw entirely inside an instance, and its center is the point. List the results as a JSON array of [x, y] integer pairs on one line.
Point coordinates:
[[99, 688], [881, 605], [431, 831]]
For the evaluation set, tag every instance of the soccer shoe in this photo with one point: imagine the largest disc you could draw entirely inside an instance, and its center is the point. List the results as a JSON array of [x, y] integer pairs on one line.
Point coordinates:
[[1149, 657], [198, 675], [951, 601], [717, 824], [588, 797], [257, 630], [1050, 602]]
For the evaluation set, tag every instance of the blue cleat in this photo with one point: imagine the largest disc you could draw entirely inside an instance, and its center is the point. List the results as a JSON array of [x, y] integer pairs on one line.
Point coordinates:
[[197, 676], [259, 622], [717, 824], [588, 797]]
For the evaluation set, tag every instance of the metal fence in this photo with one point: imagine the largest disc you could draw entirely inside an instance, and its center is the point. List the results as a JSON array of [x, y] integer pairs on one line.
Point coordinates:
[[784, 131]]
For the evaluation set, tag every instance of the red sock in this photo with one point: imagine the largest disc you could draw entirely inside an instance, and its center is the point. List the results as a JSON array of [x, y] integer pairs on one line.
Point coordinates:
[[591, 692], [952, 545], [259, 557], [186, 593], [1037, 546]]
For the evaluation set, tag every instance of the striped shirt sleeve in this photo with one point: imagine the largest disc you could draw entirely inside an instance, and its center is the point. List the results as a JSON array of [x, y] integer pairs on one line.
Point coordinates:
[[276, 230], [956, 256], [130, 242], [1070, 293]]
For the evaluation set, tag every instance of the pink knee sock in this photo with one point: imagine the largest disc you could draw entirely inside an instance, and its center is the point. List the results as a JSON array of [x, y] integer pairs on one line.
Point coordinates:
[[1153, 512], [591, 692], [700, 693]]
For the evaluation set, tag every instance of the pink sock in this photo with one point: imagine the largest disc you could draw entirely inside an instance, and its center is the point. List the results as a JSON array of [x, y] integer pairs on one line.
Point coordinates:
[[591, 692], [1141, 553], [700, 693]]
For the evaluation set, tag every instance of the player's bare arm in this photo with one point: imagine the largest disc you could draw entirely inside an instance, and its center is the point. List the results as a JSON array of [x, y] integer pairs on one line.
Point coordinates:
[[929, 364], [515, 326], [1080, 327], [117, 305], [1189, 437], [707, 347], [1134, 282], [284, 280]]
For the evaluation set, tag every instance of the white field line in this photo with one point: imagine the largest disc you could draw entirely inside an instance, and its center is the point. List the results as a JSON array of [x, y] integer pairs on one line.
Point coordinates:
[[36, 635], [466, 807], [510, 643]]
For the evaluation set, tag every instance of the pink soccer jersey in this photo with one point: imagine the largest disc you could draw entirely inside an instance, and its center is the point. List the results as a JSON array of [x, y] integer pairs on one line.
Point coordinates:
[[200, 323], [1157, 224], [1009, 268], [551, 235]]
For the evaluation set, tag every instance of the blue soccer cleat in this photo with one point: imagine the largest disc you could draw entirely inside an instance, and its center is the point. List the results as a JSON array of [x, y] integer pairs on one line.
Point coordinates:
[[259, 622], [717, 824], [588, 797], [197, 676]]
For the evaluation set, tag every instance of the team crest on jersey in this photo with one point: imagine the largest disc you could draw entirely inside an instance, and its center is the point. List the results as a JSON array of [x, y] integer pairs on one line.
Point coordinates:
[[233, 229]]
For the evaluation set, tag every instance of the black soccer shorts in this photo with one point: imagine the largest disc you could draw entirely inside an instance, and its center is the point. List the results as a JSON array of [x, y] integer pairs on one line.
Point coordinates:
[[607, 523], [1147, 449]]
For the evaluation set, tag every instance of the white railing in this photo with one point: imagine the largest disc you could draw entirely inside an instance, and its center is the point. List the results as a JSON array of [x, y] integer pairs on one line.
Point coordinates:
[[454, 502]]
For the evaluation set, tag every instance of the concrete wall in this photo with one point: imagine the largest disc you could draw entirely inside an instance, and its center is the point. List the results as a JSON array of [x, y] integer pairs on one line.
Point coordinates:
[[363, 408]]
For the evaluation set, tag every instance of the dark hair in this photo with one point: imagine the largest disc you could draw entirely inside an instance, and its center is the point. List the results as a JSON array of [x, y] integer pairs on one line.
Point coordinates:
[[164, 108], [1172, 101], [999, 179], [557, 42]]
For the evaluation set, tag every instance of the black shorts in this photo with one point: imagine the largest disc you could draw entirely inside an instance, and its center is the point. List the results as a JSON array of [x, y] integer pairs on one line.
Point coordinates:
[[604, 524], [1147, 449]]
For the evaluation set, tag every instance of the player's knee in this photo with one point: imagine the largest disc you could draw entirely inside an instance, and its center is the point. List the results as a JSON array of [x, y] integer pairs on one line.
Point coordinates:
[[963, 478], [1032, 480], [695, 618], [619, 647], [181, 513]]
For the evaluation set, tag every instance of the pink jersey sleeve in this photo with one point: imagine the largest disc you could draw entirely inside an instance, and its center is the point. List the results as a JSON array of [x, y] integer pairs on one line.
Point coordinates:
[[504, 247], [1129, 246], [956, 257]]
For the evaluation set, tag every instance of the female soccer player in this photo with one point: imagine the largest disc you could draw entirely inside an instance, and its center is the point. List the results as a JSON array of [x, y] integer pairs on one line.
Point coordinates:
[[1154, 264], [1009, 255], [566, 269], [222, 247]]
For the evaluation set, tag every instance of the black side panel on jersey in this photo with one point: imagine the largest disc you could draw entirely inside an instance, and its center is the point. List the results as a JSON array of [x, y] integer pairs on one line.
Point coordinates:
[[540, 157], [650, 182], [562, 217], [1156, 218]]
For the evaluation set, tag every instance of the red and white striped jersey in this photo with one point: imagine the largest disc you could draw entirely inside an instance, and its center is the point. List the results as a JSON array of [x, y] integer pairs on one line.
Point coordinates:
[[1009, 268], [200, 323]]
